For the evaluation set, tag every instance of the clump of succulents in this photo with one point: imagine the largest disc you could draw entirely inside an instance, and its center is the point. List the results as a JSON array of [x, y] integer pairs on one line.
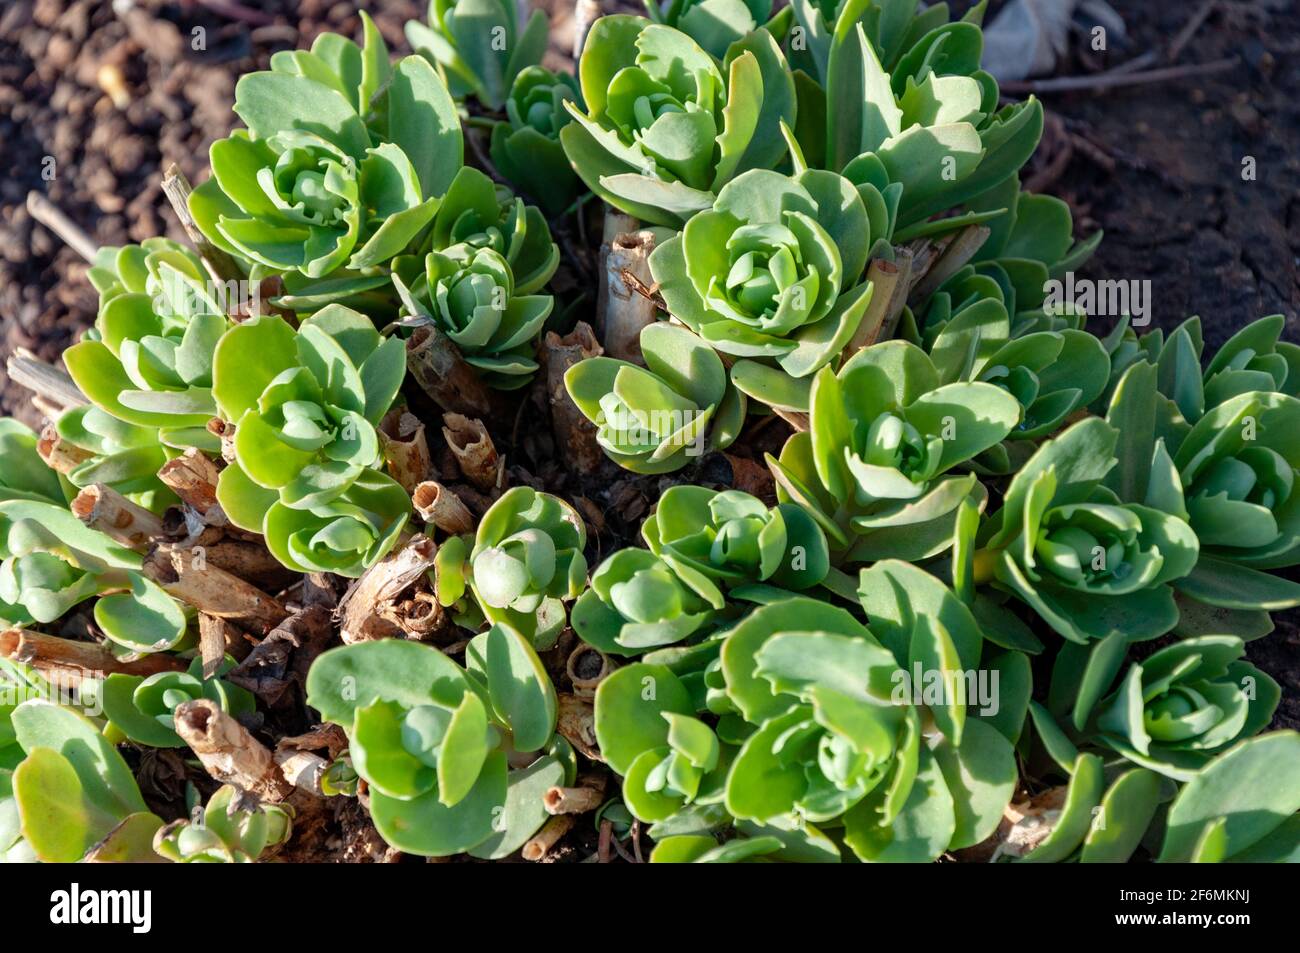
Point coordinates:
[[526, 145], [524, 562], [143, 708]]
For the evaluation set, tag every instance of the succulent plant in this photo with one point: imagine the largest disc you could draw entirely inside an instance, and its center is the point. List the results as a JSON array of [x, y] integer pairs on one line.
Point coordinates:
[[654, 419], [148, 360], [874, 466], [734, 539], [143, 708], [637, 601], [481, 214], [664, 129], [226, 832], [479, 46], [714, 24], [341, 167], [526, 146], [769, 271], [469, 293], [305, 404], [53, 562], [1088, 561], [72, 792], [455, 758], [526, 561], [23, 474]]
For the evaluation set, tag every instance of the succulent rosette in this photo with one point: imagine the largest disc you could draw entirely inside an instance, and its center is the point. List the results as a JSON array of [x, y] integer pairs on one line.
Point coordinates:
[[481, 214], [874, 467], [23, 474], [735, 539], [228, 832], [470, 294], [657, 418], [1089, 562], [770, 271], [637, 601], [526, 562], [341, 167], [664, 128], [479, 46], [714, 24], [526, 147], [456, 759], [143, 708]]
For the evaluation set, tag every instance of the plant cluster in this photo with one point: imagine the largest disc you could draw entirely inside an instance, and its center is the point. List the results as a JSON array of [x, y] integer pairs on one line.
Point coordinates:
[[981, 520]]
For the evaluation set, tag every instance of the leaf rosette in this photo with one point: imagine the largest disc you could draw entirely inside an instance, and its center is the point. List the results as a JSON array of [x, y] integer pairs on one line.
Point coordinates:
[[227, 833], [445, 749], [479, 46], [664, 128], [770, 271], [144, 708], [341, 166], [874, 466], [23, 474], [470, 294], [526, 148], [655, 419], [734, 539], [714, 24]]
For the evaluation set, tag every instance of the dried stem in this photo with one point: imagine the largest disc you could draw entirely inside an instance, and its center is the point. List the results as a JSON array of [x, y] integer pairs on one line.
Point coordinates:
[[228, 751], [575, 435], [50, 383], [363, 607], [406, 449], [102, 508], [577, 800], [193, 477], [442, 508], [889, 280], [60, 455], [585, 13], [177, 189], [217, 638], [435, 362], [576, 721], [953, 258], [587, 666], [53, 218], [188, 575], [50, 654], [621, 310], [474, 451], [550, 834]]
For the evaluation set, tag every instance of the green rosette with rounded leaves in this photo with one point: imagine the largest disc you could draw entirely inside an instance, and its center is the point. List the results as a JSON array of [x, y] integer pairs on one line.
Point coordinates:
[[735, 539], [874, 467], [526, 562], [772, 271], [23, 474], [72, 797], [148, 359], [470, 294], [664, 127], [341, 167], [526, 148], [482, 214], [456, 759], [52, 562], [228, 831], [1087, 559], [479, 46], [125, 456], [714, 24], [657, 418], [144, 708], [638, 601]]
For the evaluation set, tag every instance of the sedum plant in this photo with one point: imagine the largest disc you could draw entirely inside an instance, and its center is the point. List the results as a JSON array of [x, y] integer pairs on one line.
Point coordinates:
[[226, 831], [341, 167], [525, 562], [525, 146], [455, 759], [305, 405], [657, 418], [772, 270], [23, 474], [72, 793], [734, 539], [479, 46], [143, 708], [665, 128], [147, 361], [714, 24], [874, 467], [470, 294]]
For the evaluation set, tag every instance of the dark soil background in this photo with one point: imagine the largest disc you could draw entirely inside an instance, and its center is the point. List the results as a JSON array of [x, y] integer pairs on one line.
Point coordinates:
[[1158, 166]]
